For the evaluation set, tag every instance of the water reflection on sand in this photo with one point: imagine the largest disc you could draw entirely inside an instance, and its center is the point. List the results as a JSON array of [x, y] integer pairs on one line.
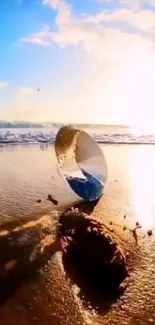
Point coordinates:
[[29, 172], [17, 147], [132, 179]]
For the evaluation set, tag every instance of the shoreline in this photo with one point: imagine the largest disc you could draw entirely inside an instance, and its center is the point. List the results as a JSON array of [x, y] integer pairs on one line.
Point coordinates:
[[44, 143], [35, 287]]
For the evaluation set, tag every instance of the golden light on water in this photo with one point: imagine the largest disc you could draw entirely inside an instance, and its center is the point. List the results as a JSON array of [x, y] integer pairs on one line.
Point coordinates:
[[143, 184]]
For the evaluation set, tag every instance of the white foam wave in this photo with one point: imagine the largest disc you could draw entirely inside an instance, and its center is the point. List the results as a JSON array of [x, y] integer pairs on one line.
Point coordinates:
[[48, 136]]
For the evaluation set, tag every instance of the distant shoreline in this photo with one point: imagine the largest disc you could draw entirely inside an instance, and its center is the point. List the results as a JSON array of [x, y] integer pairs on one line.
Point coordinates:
[[29, 125]]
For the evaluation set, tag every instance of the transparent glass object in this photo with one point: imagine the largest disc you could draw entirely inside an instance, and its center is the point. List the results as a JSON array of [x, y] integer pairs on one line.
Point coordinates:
[[81, 162]]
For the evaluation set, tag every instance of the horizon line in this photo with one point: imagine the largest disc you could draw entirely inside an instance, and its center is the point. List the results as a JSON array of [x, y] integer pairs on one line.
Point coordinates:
[[62, 123]]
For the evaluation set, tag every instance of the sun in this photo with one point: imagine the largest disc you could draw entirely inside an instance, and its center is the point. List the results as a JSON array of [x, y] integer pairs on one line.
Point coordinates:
[[135, 97]]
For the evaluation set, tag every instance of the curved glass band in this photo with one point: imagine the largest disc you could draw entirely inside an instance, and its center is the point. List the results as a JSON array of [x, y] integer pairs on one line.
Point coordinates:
[[82, 162]]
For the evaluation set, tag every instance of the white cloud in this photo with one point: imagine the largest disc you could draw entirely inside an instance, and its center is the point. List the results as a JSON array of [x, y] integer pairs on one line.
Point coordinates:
[[136, 4], [101, 34], [25, 91], [57, 4], [3, 85], [52, 3], [103, 1], [113, 91], [40, 38], [143, 20]]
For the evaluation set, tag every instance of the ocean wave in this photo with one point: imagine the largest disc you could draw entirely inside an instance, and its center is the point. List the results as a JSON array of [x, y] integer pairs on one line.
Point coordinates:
[[33, 137]]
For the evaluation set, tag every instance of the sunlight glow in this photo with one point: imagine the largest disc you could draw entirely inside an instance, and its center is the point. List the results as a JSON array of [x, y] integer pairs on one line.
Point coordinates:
[[135, 95], [143, 183]]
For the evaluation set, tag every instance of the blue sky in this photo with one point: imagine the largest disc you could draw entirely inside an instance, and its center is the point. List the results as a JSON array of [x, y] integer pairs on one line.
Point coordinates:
[[93, 60]]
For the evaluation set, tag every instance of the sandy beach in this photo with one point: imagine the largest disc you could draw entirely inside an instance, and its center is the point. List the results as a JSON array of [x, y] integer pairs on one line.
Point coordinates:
[[35, 286]]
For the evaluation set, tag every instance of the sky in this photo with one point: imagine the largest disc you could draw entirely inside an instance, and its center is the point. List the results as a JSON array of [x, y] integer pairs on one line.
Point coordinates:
[[93, 61]]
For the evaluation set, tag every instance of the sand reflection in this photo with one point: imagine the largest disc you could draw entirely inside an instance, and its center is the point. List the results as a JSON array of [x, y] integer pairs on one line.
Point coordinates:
[[142, 176]]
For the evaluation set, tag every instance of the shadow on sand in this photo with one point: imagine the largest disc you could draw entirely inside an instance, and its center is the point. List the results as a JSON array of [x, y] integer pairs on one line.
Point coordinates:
[[92, 260], [87, 258]]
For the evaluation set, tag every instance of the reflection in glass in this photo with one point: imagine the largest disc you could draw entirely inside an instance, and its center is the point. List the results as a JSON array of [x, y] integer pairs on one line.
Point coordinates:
[[82, 162]]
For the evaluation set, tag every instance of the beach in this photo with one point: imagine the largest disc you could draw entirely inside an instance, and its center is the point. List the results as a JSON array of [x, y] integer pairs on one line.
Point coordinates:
[[31, 259]]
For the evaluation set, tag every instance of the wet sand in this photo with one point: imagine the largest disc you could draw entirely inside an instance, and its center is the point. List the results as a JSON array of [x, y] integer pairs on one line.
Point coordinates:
[[35, 285]]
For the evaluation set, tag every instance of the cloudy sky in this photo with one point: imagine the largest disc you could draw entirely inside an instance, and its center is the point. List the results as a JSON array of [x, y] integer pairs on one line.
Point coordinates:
[[93, 61]]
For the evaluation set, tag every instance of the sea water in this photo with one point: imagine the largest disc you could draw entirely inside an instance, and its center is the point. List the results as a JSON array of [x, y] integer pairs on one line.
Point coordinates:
[[47, 135]]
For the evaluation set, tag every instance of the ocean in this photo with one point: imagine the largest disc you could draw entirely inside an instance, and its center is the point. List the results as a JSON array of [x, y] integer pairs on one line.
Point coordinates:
[[120, 135]]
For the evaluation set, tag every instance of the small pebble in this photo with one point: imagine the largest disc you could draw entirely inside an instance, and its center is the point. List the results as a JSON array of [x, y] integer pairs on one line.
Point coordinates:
[[110, 223], [125, 216], [124, 228], [137, 224], [51, 199], [38, 201], [150, 233]]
